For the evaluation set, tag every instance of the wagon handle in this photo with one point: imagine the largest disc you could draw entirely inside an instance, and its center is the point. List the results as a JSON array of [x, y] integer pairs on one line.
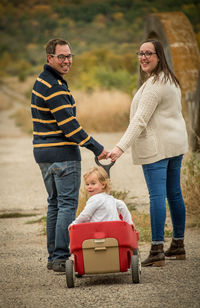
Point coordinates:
[[105, 167]]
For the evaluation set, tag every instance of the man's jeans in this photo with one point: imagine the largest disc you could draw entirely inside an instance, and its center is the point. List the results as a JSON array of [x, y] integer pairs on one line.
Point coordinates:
[[163, 180], [62, 182]]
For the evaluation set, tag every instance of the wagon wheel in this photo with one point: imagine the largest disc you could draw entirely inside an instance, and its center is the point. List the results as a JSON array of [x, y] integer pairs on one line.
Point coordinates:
[[136, 267], [69, 270]]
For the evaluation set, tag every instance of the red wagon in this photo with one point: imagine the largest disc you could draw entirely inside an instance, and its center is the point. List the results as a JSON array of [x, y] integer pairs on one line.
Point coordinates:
[[103, 247]]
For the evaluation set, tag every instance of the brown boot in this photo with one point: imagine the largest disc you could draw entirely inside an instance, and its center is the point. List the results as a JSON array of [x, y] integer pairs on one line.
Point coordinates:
[[176, 250], [156, 256]]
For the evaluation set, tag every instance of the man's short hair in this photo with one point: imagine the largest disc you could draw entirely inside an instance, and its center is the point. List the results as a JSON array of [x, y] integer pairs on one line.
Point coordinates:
[[51, 45]]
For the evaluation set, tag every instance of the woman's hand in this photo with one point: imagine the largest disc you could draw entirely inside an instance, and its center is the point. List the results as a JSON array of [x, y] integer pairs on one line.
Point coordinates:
[[115, 153]]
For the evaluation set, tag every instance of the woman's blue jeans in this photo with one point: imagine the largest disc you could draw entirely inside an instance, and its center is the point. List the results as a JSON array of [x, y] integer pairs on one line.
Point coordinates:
[[62, 182], [163, 181]]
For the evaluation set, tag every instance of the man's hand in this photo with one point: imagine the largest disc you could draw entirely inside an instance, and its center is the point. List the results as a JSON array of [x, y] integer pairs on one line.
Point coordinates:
[[103, 155], [115, 153]]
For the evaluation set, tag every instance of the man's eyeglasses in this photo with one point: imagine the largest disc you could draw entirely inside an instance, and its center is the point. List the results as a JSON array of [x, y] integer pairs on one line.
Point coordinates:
[[62, 57], [146, 54]]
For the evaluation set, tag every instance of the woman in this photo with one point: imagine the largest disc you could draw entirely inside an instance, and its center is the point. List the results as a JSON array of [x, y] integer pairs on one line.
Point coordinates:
[[158, 136]]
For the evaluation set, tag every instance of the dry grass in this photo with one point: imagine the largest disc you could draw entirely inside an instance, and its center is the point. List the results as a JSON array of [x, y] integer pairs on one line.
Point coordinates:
[[23, 119], [13, 94], [20, 87], [83, 197], [4, 105], [103, 111], [191, 189], [5, 102], [143, 225], [42, 221], [97, 111]]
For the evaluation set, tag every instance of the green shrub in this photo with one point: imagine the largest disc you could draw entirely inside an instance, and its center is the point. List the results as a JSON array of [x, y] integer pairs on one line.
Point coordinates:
[[119, 79]]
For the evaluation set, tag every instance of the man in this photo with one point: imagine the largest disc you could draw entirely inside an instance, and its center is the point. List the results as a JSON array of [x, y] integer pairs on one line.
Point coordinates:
[[57, 136]]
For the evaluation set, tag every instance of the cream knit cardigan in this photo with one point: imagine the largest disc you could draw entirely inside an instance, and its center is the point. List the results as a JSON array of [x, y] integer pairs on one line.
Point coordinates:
[[157, 129]]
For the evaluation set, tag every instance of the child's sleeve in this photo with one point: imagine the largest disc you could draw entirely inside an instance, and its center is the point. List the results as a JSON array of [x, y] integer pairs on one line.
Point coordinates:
[[122, 208]]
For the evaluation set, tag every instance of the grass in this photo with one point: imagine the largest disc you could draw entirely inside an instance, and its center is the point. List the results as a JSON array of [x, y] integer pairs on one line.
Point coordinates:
[[42, 221], [193, 222], [6, 102], [142, 223], [97, 111], [16, 215], [23, 119], [191, 189], [108, 110]]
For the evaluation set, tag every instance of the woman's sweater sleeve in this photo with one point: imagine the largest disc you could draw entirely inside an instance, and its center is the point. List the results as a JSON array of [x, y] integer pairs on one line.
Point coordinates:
[[146, 107]]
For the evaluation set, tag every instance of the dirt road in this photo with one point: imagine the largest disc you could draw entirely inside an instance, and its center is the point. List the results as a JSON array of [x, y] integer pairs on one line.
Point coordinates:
[[24, 279]]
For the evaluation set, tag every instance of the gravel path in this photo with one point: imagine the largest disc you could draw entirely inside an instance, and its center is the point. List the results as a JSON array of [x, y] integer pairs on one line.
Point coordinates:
[[24, 279]]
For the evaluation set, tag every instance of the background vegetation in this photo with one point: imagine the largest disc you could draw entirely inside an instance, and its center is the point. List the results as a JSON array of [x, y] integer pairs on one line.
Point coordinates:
[[104, 35], [191, 188]]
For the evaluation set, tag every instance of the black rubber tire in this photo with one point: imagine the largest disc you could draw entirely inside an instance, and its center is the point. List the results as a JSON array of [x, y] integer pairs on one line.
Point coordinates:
[[69, 270], [135, 268]]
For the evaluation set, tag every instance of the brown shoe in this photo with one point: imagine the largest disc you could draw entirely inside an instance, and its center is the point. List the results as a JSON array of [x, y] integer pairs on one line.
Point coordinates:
[[156, 256], [176, 250]]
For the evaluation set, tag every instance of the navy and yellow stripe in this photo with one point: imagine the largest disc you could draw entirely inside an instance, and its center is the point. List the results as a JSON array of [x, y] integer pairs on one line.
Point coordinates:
[[47, 133], [50, 96]]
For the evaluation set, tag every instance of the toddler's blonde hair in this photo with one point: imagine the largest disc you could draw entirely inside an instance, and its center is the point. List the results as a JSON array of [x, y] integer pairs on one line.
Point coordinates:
[[102, 177]]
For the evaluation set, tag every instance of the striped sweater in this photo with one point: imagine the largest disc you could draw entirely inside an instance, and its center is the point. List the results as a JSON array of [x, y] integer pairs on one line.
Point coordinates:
[[57, 134]]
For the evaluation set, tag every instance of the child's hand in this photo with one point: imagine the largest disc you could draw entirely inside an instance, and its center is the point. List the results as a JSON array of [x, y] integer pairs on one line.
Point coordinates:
[[69, 226]]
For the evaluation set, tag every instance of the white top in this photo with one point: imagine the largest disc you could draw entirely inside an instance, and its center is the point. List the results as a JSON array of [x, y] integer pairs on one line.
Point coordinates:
[[157, 129], [103, 207]]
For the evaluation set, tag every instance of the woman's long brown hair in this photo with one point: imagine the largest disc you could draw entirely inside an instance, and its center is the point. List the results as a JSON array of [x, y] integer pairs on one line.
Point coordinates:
[[162, 65]]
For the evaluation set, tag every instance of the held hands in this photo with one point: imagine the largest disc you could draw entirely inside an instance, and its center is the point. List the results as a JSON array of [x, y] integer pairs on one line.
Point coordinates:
[[114, 154]]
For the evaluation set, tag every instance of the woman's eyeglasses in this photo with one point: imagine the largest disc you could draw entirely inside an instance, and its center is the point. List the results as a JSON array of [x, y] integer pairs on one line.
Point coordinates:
[[146, 54]]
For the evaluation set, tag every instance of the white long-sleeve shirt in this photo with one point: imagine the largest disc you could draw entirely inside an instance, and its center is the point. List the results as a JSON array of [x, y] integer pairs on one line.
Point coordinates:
[[103, 207]]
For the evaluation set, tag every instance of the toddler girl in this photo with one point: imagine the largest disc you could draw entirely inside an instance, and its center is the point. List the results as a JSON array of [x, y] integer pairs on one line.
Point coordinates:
[[101, 206]]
